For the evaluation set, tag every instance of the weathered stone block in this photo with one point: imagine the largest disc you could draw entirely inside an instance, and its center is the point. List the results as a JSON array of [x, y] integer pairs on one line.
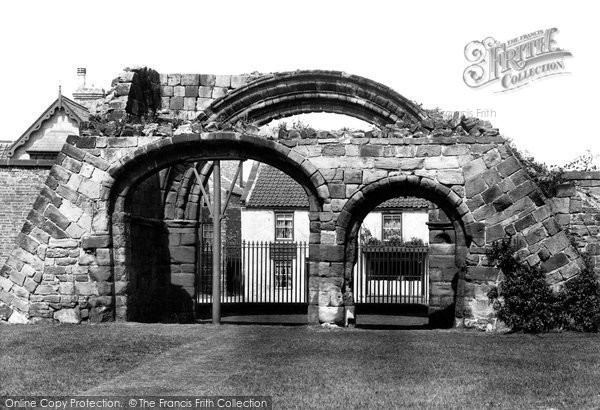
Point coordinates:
[[334, 150], [492, 158], [223, 81], [474, 168], [484, 212], [557, 243], [405, 151], [71, 316], [508, 167], [409, 164], [387, 163], [100, 273], [450, 177], [491, 194], [524, 222], [555, 262], [183, 254], [337, 191], [218, 92], [86, 288], [190, 79], [207, 80], [522, 190], [371, 151], [502, 203], [455, 150], [174, 79], [441, 162], [481, 273], [176, 103], [369, 175], [352, 176], [429, 151], [494, 233]]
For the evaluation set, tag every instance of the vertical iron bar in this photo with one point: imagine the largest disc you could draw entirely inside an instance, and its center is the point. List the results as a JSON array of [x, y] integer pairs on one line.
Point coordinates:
[[216, 288]]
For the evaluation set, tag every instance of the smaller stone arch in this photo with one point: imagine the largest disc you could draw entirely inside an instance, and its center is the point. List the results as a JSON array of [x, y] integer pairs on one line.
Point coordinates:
[[378, 191], [443, 307]]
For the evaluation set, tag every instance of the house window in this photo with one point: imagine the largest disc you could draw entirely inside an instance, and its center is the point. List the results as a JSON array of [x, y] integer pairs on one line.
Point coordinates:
[[207, 232], [284, 226], [391, 227], [283, 274]]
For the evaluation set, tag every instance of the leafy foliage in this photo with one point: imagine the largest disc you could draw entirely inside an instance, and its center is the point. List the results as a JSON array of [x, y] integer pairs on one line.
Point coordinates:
[[548, 178], [367, 238], [580, 301], [523, 300]]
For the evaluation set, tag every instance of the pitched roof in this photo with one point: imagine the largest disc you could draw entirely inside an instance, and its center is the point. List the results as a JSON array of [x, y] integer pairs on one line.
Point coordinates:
[[75, 111], [269, 187], [274, 189], [404, 202]]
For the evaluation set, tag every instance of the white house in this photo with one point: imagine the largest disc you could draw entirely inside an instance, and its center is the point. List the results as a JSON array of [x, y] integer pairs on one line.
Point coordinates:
[[274, 218]]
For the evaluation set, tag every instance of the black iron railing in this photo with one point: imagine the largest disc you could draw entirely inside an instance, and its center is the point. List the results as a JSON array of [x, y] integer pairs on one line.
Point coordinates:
[[256, 272], [391, 274]]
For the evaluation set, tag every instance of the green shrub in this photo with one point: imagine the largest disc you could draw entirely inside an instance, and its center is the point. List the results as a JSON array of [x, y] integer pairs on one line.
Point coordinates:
[[523, 299], [525, 302], [580, 301]]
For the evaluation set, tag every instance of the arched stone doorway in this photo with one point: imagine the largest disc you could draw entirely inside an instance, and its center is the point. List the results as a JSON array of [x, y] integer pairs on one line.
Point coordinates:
[[447, 263], [143, 248]]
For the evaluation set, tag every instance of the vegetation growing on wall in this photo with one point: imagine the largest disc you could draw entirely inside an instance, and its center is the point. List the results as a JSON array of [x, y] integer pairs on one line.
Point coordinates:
[[549, 177], [524, 301]]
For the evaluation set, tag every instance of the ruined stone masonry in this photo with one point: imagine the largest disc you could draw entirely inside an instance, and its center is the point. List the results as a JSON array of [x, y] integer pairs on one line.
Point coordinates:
[[83, 253]]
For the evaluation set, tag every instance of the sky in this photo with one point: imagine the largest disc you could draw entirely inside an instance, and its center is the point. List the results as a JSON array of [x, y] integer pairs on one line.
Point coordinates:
[[416, 48]]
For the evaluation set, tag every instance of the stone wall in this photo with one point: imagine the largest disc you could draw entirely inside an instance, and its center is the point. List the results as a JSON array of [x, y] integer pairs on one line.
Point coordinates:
[[475, 178], [83, 255], [577, 206], [139, 91], [19, 186]]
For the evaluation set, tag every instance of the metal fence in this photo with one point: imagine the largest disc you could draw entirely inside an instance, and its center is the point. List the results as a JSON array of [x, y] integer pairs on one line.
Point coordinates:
[[256, 272], [391, 274]]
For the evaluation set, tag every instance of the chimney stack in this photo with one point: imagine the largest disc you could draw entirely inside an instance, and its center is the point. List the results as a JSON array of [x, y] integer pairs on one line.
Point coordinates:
[[86, 96], [81, 72]]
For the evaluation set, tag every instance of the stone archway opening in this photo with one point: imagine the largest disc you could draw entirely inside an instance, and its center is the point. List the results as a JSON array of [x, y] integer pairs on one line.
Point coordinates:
[[159, 229], [447, 247]]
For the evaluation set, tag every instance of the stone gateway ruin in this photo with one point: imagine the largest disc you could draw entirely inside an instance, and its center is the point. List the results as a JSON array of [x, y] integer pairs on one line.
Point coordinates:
[[112, 233]]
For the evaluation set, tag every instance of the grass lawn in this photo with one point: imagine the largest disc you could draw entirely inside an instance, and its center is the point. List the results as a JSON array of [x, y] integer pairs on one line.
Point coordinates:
[[305, 367]]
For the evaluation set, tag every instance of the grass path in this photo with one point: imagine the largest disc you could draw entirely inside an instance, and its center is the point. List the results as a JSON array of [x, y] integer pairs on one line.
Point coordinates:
[[306, 367]]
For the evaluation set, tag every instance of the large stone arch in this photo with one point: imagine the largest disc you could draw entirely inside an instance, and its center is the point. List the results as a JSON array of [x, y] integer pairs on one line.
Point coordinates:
[[144, 161], [284, 94], [443, 307], [137, 166]]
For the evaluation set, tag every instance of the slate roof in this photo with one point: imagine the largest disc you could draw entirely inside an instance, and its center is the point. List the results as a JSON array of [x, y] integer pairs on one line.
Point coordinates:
[[271, 188]]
